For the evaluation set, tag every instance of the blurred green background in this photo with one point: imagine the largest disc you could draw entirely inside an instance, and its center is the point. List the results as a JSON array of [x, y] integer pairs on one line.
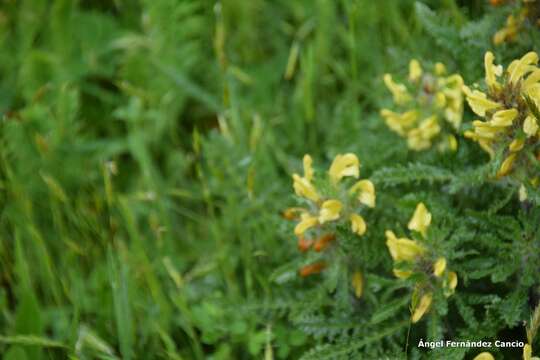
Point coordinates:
[[146, 149]]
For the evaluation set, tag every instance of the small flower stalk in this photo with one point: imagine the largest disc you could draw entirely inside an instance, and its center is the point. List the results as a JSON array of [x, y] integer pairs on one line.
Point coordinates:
[[331, 202], [509, 114], [414, 258], [429, 107]]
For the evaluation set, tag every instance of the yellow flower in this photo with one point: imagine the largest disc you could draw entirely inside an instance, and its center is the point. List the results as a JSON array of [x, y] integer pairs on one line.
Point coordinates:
[[399, 91], [403, 249], [422, 308], [504, 118], [440, 69], [506, 165], [358, 284], [439, 267], [519, 68], [527, 353], [400, 123], [484, 356], [415, 70], [516, 145], [402, 274], [358, 225], [420, 138], [307, 221], [486, 130], [308, 169], [450, 283], [530, 126], [304, 188], [479, 102], [329, 211], [452, 142], [492, 71], [344, 165], [366, 192], [420, 220], [522, 193]]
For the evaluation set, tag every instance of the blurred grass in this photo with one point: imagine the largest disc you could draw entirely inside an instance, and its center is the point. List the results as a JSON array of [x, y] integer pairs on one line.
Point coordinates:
[[145, 153]]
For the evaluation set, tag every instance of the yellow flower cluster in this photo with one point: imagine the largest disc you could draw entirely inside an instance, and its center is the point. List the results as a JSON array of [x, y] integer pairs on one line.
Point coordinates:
[[528, 13], [330, 204], [336, 204], [508, 111], [415, 255], [430, 107]]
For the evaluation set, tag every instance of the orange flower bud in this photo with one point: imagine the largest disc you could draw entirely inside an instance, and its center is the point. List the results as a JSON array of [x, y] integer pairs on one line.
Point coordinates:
[[304, 244], [496, 2], [292, 213], [311, 269], [323, 242]]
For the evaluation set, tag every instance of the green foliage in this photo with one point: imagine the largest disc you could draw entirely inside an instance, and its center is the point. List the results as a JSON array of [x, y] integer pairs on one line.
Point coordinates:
[[146, 149]]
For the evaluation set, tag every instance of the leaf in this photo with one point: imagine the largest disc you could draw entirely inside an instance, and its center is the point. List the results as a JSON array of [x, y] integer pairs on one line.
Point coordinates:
[[390, 309], [30, 340], [122, 306], [411, 173], [340, 351], [15, 353]]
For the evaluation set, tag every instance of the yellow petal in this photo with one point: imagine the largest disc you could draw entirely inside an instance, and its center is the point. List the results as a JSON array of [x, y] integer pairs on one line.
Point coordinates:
[[344, 165], [304, 188], [504, 118], [530, 126], [531, 80], [308, 169], [522, 193], [403, 249], [518, 68], [400, 122], [422, 308], [307, 221], [420, 220], [358, 284], [399, 91], [366, 192], [492, 71], [358, 225], [429, 127], [440, 100], [506, 165], [484, 356], [485, 130], [416, 142], [516, 145], [439, 267], [402, 274], [527, 352], [451, 283], [440, 69], [452, 143], [415, 70], [330, 210], [479, 102]]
